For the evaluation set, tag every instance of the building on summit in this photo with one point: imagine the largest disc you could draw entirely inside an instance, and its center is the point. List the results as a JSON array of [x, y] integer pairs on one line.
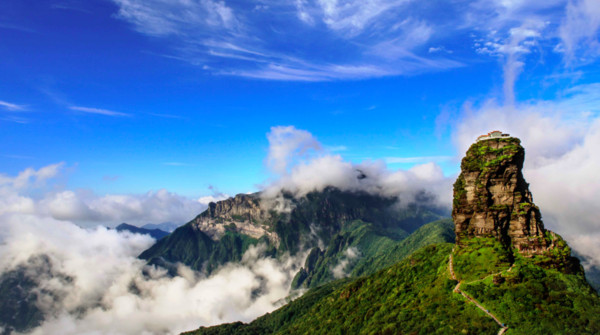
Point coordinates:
[[492, 135]]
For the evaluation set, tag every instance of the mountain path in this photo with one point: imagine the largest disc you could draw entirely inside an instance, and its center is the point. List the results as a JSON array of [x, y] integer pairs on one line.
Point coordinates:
[[457, 289]]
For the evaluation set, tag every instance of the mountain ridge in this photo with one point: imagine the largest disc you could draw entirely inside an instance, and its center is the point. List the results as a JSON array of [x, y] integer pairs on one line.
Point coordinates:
[[228, 228], [156, 233]]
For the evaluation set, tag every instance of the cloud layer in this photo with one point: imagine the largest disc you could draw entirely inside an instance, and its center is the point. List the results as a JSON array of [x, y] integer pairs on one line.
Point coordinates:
[[301, 165], [33, 192]]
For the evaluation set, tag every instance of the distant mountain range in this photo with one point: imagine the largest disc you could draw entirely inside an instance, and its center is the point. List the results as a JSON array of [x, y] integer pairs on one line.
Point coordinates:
[[155, 233], [165, 226]]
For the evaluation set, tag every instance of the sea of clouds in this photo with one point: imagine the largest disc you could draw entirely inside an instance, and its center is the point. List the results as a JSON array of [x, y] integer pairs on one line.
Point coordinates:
[[110, 291]]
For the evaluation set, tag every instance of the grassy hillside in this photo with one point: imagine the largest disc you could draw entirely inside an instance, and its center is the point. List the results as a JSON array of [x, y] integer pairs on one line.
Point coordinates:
[[417, 296], [413, 296], [373, 249], [530, 295], [441, 231]]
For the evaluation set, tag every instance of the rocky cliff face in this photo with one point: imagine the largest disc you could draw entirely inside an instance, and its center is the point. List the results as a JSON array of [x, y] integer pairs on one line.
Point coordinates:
[[491, 198], [242, 214]]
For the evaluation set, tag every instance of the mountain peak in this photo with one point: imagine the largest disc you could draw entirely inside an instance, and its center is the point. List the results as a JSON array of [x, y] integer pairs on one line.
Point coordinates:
[[492, 199]]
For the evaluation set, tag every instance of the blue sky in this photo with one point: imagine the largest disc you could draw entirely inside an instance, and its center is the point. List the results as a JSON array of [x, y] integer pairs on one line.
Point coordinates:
[[139, 95]]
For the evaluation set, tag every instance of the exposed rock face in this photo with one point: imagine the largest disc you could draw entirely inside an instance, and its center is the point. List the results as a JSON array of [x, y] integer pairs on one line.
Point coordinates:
[[491, 198], [242, 213]]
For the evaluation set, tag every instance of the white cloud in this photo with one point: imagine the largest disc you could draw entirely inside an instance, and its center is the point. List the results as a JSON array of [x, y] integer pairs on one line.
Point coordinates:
[[579, 30], [511, 45], [300, 173], [587, 245], [11, 107], [349, 17], [419, 159], [99, 111], [100, 297], [205, 200], [27, 193], [241, 42], [287, 144], [413, 34], [362, 39], [29, 178], [163, 17], [349, 255], [439, 49], [154, 206]]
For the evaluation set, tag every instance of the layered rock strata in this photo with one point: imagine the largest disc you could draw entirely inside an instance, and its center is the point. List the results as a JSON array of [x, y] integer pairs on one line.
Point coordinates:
[[491, 198], [242, 213]]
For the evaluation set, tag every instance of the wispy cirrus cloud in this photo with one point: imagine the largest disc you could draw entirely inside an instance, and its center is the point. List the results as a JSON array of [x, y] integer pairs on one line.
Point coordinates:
[[162, 17], [92, 110], [323, 40], [346, 17], [12, 112], [11, 107], [301, 41]]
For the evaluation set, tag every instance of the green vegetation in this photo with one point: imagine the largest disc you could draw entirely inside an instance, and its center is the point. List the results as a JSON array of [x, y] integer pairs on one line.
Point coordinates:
[[378, 249], [365, 239], [238, 218], [481, 156], [498, 207], [479, 256], [459, 190], [535, 300], [198, 251], [441, 231], [412, 297], [558, 257]]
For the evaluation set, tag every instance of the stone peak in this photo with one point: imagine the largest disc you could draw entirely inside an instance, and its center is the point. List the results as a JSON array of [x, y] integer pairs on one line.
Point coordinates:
[[491, 197]]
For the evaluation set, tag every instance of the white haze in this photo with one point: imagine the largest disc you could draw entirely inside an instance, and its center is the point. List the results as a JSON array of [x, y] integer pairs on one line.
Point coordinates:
[[349, 255]]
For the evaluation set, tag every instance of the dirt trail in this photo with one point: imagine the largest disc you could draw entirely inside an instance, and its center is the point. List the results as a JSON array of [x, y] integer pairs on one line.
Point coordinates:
[[471, 299]]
